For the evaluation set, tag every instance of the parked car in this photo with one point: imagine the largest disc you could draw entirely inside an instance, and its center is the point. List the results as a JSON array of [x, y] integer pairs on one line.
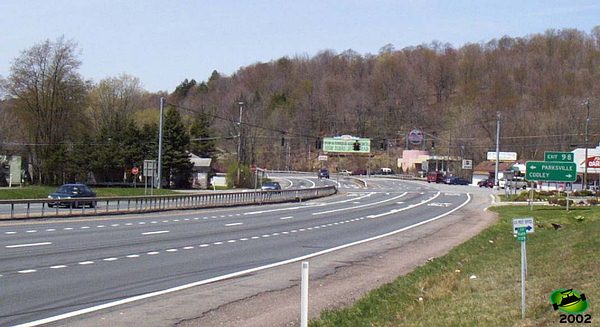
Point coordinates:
[[486, 183], [270, 186], [385, 171], [323, 173], [72, 191], [515, 183], [454, 180], [345, 172], [435, 177]]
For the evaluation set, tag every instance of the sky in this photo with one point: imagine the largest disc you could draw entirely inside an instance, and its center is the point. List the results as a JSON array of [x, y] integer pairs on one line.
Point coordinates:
[[164, 42]]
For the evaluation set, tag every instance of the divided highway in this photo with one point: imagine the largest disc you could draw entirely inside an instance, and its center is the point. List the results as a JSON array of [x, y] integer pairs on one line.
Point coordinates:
[[52, 268]]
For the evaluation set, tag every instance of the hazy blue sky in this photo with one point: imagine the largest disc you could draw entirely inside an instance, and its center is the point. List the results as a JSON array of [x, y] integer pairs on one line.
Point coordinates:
[[164, 42]]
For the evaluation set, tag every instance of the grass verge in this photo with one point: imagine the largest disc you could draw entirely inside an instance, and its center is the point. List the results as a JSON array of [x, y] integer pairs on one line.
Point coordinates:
[[41, 192], [442, 293]]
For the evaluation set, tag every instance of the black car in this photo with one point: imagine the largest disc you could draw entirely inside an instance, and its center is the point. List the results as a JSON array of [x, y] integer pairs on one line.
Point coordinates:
[[323, 173], [454, 180], [270, 186], [72, 191]]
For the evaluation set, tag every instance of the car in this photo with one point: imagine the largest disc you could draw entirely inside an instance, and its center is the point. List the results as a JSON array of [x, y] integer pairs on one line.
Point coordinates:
[[385, 171], [270, 186], [72, 191], [454, 180], [345, 172], [486, 183], [435, 177], [323, 173], [515, 183]]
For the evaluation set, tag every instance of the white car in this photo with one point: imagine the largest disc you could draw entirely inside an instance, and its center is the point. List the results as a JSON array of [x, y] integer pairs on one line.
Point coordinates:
[[345, 172]]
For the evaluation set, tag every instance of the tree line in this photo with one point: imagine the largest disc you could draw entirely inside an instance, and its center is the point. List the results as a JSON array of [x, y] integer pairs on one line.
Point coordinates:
[[536, 85], [70, 129]]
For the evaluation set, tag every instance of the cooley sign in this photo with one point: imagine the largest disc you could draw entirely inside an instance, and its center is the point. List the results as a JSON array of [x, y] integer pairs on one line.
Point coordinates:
[[556, 168]]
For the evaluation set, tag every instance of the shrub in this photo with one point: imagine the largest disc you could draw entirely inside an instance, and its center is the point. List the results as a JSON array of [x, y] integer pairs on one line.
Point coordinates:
[[560, 202]]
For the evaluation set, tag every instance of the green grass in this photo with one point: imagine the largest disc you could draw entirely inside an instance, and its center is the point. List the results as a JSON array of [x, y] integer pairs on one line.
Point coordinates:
[[39, 192], [567, 257]]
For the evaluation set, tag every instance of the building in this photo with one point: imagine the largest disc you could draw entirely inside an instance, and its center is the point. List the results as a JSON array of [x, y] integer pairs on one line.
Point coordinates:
[[200, 171]]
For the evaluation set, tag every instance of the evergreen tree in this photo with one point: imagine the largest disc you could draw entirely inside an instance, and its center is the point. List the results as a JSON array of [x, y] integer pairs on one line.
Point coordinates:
[[200, 130], [176, 164]]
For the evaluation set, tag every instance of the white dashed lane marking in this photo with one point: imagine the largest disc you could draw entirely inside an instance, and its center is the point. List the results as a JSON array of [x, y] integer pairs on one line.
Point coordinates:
[[189, 247], [156, 232], [27, 245], [233, 224]]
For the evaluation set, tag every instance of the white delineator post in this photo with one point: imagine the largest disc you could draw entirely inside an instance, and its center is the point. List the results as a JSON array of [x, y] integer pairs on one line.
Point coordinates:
[[304, 296]]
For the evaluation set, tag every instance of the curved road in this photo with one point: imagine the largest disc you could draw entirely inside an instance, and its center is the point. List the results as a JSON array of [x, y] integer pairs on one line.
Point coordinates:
[[51, 269]]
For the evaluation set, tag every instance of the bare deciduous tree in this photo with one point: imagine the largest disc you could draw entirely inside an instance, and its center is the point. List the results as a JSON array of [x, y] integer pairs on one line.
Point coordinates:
[[49, 95]]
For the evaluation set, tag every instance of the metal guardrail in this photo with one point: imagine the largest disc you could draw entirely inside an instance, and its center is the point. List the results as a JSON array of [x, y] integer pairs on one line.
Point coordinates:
[[38, 208]]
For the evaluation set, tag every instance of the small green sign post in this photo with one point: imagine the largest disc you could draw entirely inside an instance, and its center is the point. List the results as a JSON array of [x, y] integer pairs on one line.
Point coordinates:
[[550, 171], [558, 156], [522, 234], [523, 226]]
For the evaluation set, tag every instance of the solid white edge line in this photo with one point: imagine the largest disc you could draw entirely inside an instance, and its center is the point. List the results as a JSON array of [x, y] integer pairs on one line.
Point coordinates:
[[27, 245], [232, 275]]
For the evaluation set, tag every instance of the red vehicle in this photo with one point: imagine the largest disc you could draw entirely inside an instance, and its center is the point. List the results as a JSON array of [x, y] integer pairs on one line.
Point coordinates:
[[435, 177], [486, 183]]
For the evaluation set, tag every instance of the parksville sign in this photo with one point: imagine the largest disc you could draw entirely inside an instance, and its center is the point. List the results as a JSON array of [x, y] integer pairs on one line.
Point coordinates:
[[550, 171]]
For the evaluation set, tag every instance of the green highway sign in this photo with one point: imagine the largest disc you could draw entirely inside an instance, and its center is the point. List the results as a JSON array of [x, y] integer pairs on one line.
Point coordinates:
[[550, 171], [346, 145], [558, 156], [522, 234]]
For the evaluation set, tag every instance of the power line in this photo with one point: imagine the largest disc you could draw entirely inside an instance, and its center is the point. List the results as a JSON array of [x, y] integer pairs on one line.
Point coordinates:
[[280, 131]]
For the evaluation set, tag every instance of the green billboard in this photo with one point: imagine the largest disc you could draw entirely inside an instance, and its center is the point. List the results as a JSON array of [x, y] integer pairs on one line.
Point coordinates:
[[346, 145]]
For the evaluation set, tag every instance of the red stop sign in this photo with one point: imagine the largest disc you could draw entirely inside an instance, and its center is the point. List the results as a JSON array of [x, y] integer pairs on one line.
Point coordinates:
[[135, 170]]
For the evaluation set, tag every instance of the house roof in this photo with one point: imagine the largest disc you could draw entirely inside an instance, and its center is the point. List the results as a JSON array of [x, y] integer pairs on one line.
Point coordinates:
[[200, 162], [490, 166]]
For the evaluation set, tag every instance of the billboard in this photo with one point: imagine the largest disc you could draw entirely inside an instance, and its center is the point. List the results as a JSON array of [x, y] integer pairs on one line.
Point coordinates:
[[502, 156], [346, 144]]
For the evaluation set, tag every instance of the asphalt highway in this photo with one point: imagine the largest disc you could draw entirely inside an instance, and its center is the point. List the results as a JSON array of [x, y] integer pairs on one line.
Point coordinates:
[[55, 267]]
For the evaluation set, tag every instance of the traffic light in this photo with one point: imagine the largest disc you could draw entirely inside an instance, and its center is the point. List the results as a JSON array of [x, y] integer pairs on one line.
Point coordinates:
[[356, 146], [282, 141], [319, 144]]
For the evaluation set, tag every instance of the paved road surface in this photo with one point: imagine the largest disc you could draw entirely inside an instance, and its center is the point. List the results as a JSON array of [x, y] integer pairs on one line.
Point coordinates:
[[49, 268]]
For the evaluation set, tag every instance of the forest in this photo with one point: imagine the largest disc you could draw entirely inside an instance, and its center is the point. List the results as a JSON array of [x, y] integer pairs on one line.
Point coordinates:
[[541, 88]]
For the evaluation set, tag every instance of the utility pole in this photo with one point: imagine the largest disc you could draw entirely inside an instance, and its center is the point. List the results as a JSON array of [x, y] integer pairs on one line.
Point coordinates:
[[239, 156], [160, 137], [496, 181], [585, 161]]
